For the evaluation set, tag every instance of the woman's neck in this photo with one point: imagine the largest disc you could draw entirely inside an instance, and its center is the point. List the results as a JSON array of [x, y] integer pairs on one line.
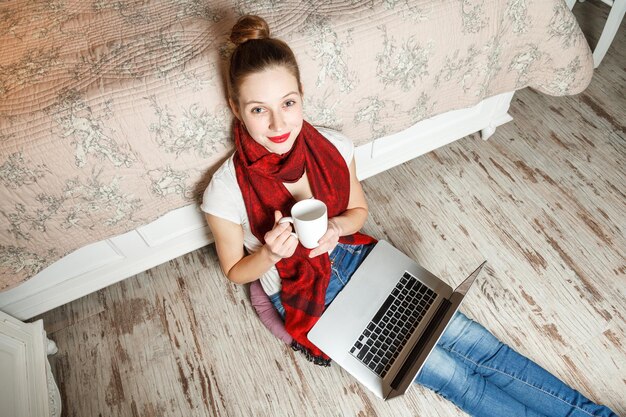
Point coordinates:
[[301, 189]]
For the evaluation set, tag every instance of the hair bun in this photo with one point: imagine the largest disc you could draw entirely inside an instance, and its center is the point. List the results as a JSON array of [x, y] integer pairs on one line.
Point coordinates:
[[249, 27]]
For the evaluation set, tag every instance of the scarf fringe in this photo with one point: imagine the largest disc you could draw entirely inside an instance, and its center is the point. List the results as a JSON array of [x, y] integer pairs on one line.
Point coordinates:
[[317, 360]]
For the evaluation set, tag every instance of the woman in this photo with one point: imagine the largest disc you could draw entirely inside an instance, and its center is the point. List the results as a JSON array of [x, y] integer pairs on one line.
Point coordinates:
[[281, 159]]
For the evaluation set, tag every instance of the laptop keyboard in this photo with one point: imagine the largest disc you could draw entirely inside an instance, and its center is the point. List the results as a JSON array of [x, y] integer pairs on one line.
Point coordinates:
[[387, 333]]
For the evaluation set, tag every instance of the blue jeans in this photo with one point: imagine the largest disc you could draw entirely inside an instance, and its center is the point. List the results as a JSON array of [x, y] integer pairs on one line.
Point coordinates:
[[474, 370], [485, 377]]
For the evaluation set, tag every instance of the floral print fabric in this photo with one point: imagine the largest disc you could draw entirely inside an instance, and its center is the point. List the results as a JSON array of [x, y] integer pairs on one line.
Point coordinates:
[[113, 113]]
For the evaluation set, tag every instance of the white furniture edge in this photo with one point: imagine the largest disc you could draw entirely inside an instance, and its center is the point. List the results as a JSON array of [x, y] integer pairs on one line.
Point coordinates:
[[613, 21], [183, 230], [611, 26], [36, 392]]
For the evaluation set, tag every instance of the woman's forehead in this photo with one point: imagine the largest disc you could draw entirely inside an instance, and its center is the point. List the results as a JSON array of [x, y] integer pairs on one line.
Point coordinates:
[[267, 86]]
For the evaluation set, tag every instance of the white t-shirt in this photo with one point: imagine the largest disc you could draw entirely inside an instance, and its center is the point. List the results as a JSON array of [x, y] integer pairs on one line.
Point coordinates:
[[222, 198]]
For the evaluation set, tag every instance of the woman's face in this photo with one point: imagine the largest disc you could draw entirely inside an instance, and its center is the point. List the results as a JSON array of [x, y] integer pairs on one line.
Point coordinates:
[[270, 107]]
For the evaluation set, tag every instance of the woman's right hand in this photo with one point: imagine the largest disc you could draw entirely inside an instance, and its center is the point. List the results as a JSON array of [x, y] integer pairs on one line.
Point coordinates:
[[279, 242]]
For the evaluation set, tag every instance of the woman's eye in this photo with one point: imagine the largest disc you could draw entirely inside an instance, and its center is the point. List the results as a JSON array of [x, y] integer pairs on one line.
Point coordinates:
[[257, 110], [290, 103]]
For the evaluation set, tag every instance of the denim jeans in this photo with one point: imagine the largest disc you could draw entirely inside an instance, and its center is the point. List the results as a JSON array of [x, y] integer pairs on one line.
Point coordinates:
[[474, 370], [485, 377]]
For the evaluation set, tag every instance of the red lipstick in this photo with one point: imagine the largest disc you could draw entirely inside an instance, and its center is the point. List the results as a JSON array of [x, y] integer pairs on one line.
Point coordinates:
[[279, 139]]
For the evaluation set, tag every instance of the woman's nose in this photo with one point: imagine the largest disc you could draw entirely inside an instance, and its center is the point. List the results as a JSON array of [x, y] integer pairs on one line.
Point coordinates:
[[277, 123]]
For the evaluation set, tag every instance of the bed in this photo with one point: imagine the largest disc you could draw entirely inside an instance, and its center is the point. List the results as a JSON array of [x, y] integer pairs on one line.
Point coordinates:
[[113, 113]]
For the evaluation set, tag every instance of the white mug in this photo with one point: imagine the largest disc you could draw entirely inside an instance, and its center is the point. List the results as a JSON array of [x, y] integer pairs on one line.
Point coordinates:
[[310, 221]]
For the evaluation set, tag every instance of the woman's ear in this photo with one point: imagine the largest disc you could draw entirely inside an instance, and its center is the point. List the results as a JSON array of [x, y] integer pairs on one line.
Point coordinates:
[[234, 108]]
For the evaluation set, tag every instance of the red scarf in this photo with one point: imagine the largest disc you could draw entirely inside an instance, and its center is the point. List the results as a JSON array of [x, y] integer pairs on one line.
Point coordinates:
[[260, 175]]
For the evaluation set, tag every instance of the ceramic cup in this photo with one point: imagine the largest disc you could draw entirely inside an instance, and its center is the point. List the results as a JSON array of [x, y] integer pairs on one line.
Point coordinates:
[[310, 221]]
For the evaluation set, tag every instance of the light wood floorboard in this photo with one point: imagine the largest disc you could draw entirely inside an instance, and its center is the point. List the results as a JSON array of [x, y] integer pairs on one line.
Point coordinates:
[[544, 201]]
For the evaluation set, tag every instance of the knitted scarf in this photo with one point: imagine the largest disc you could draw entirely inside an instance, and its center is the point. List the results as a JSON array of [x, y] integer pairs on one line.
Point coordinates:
[[260, 175]]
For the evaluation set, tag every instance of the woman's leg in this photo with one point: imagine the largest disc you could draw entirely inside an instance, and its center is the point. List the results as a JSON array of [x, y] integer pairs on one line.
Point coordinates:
[[515, 374], [278, 305], [451, 378]]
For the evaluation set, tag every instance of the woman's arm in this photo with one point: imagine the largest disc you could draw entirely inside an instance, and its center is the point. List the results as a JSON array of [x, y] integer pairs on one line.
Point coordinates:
[[239, 267], [350, 221], [229, 244]]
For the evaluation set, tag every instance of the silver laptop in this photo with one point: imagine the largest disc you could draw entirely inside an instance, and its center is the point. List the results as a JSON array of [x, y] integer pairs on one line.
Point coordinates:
[[383, 325]]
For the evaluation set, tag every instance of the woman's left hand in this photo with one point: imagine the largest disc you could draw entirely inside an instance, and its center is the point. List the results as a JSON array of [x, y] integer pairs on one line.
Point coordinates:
[[328, 242]]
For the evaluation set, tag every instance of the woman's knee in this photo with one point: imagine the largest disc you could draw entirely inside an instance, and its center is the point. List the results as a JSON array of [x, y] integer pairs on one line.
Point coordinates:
[[452, 379], [438, 370], [466, 337]]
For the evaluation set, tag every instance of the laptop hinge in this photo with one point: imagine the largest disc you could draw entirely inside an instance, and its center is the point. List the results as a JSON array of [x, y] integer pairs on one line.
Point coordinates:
[[417, 349]]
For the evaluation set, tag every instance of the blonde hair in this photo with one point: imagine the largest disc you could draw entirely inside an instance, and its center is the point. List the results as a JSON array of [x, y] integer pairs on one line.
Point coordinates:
[[256, 51]]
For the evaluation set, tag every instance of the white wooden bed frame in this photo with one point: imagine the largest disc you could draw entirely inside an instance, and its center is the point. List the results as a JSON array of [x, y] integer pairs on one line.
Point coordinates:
[[180, 231]]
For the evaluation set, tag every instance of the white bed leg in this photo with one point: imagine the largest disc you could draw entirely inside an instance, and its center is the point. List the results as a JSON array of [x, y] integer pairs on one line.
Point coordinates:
[[487, 132], [499, 115], [51, 347]]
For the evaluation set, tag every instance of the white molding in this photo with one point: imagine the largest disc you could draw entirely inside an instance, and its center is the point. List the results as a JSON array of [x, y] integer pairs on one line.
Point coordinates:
[[24, 386], [183, 230]]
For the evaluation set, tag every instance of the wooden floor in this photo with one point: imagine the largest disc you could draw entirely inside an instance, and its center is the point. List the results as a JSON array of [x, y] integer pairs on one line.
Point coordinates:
[[544, 201]]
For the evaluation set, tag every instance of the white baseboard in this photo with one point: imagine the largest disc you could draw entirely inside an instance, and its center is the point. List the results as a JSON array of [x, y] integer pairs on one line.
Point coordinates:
[[103, 263]]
